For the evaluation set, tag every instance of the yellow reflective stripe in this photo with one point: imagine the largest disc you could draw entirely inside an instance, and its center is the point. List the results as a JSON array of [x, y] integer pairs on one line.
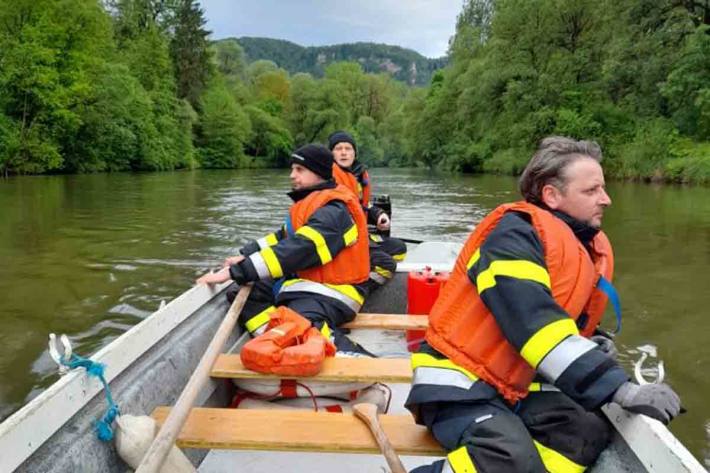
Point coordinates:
[[555, 462], [376, 238], [345, 289], [325, 331], [429, 361], [547, 338], [271, 239], [319, 241], [473, 259], [399, 257], [349, 291], [383, 272], [460, 461], [272, 262], [350, 236], [260, 319], [519, 269]]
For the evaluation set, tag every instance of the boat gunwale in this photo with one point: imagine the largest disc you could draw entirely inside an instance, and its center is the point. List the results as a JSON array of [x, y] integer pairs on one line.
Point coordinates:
[[47, 413]]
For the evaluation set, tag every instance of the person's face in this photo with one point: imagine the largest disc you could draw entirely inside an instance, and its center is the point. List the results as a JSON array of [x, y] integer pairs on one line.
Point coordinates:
[[584, 197], [344, 154], [302, 177]]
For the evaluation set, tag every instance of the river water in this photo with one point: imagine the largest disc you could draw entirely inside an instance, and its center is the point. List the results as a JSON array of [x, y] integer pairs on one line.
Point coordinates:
[[92, 255]]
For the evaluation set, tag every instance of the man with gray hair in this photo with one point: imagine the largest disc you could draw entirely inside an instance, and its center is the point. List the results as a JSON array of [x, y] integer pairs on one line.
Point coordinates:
[[511, 376]]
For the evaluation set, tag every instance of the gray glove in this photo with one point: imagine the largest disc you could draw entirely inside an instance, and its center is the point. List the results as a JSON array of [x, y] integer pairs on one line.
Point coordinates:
[[606, 345], [658, 401]]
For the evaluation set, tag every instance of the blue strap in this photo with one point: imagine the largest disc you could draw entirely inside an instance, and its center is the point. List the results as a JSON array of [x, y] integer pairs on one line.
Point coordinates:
[[607, 288], [288, 225], [276, 287], [103, 426]]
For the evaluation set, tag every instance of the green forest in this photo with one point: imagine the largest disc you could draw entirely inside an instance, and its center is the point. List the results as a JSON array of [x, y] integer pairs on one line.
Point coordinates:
[[402, 64], [116, 85]]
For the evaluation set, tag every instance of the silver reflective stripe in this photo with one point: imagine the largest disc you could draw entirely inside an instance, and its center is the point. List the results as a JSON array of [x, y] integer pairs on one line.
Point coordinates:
[[447, 468], [260, 330], [262, 243], [441, 377], [563, 355], [317, 288], [378, 278], [260, 266]]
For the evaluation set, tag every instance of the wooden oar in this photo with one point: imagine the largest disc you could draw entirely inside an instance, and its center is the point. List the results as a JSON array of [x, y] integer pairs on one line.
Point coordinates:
[[410, 240], [367, 412], [165, 439]]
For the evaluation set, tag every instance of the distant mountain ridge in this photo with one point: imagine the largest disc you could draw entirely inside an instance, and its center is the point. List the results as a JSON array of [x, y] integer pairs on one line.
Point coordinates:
[[403, 64]]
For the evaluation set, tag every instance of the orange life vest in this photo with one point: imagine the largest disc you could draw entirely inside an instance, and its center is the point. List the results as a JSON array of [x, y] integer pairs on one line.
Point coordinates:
[[290, 346], [463, 329], [352, 264], [350, 181]]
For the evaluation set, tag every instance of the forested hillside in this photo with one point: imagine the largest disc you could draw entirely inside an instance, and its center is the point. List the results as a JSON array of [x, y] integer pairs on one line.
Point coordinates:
[[403, 64], [88, 85]]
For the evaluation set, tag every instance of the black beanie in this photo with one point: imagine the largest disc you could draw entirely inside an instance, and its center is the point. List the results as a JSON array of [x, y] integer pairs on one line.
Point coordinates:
[[341, 137], [317, 158]]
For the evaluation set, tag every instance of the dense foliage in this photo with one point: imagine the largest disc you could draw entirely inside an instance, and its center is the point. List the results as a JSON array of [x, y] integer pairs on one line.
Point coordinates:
[[88, 85], [403, 64], [631, 74]]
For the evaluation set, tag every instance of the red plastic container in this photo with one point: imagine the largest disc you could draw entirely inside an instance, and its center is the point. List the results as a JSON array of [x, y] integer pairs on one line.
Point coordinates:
[[422, 290]]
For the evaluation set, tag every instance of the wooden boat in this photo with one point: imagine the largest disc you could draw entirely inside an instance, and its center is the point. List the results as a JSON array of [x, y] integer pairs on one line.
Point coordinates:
[[148, 366]]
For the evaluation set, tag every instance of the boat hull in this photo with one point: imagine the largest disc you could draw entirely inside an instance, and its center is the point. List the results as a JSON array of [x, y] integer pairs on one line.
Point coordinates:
[[54, 432]]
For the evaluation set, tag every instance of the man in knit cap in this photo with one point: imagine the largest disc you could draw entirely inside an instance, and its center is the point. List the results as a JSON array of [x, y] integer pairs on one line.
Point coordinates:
[[315, 263], [348, 171]]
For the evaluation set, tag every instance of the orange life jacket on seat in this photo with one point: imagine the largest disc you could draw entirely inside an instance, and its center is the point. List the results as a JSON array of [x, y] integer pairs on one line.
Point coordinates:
[[350, 181], [290, 346], [352, 264], [462, 328]]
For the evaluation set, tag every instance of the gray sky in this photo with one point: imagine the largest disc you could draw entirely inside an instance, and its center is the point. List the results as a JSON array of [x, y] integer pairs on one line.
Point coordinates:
[[422, 25]]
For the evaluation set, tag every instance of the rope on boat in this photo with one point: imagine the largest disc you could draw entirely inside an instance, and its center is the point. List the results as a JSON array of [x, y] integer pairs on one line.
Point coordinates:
[[103, 428], [69, 361]]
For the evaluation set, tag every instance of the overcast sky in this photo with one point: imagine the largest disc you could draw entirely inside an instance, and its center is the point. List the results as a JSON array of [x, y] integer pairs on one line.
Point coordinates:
[[422, 25]]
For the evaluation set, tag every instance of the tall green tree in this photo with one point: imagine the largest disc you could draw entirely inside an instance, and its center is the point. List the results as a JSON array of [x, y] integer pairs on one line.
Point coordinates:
[[223, 130], [49, 51], [229, 58], [688, 86], [189, 49]]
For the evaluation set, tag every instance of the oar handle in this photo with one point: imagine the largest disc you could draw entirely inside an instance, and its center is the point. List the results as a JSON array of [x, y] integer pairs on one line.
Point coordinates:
[[165, 439], [367, 412]]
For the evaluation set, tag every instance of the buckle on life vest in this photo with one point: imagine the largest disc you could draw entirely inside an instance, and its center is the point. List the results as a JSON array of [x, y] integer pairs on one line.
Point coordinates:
[[290, 346]]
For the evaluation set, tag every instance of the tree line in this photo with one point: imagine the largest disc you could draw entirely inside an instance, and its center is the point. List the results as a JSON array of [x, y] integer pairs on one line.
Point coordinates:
[[88, 86], [402, 64]]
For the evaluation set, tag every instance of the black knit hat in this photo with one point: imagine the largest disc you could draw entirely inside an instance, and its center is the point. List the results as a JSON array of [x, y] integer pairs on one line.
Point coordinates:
[[317, 158], [341, 137]]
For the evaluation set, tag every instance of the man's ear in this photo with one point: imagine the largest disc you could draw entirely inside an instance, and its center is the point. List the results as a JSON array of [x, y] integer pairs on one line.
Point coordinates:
[[551, 196]]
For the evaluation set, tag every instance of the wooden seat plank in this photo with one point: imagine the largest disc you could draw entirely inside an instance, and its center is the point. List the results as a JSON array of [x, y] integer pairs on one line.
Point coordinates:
[[286, 430], [389, 322], [371, 370]]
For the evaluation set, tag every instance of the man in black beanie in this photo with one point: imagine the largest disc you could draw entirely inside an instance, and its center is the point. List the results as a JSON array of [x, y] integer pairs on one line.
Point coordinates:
[[316, 158], [315, 263], [348, 171]]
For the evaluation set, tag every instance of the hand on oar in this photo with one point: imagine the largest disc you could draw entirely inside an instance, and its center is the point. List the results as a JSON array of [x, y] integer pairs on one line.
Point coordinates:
[[367, 412]]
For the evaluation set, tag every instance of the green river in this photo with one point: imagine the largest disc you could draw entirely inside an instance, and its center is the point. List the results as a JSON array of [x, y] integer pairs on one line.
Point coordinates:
[[92, 255]]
